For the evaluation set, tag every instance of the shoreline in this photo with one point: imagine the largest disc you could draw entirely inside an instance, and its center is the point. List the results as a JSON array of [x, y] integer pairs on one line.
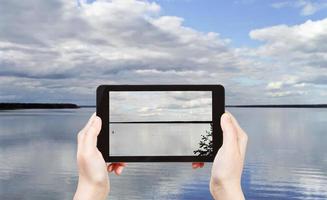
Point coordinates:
[[16, 106]]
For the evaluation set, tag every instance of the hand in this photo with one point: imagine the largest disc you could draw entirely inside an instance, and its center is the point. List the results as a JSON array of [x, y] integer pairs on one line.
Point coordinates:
[[227, 167], [93, 181]]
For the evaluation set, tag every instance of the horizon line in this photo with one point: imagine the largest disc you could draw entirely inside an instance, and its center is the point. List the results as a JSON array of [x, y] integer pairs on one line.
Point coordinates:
[[161, 122], [318, 105], [258, 106]]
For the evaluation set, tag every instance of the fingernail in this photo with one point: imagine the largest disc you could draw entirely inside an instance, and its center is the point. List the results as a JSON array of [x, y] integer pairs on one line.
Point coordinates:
[[92, 116], [96, 118], [227, 117], [119, 171]]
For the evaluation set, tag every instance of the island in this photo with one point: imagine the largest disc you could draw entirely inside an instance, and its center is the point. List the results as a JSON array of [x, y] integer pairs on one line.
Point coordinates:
[[13, 106]]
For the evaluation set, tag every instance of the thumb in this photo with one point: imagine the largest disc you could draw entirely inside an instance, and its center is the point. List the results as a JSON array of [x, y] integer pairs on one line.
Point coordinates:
[[229, 130], [92, 133]]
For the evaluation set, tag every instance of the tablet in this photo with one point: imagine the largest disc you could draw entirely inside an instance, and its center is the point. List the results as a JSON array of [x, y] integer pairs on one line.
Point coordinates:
[[160, 123]]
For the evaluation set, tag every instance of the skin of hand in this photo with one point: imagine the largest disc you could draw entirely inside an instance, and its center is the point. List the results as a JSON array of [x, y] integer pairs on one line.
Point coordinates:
[[226, 172], [93, 181]]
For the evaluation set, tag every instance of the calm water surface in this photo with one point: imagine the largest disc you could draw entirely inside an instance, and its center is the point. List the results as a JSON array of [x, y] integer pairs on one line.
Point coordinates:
[[286, 158]]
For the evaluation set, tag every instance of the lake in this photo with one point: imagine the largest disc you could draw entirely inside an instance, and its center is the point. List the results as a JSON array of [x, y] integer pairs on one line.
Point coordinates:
[[286, 158]]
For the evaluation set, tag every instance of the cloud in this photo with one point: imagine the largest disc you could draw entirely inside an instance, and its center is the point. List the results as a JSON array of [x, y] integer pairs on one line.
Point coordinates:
[[275, 85], [307, 7], [84, 45], [62, 50], [301, 39], [297, 56], [286, 93], [156, 106]]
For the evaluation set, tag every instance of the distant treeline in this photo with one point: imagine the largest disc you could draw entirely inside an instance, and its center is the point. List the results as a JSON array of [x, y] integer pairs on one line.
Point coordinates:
[[282, 106], [12, 106]]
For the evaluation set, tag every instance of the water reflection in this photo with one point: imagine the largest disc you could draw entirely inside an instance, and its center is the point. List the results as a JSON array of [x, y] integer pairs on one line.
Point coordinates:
[[286, 158], [286, 155], [153, 139]]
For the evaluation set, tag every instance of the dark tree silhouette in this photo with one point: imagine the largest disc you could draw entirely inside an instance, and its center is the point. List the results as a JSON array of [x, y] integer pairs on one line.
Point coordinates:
[[205, 144]]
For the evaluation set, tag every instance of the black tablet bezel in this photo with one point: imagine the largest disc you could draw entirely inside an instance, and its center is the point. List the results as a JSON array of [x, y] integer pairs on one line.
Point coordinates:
[[102, 109]]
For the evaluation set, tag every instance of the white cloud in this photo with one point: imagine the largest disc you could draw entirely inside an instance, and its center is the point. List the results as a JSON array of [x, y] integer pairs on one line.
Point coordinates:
[[286, 93], [60, 51], [275, 85], [304, 38], [307, 7], [296, 55], [299, 46], [105, 42]]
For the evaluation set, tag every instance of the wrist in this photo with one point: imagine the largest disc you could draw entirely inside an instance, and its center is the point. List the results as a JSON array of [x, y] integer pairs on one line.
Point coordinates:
[[230, 190], [88, 191]]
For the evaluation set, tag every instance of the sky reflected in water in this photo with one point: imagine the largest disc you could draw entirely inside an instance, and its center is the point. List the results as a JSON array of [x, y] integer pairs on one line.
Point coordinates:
[[286, 158]]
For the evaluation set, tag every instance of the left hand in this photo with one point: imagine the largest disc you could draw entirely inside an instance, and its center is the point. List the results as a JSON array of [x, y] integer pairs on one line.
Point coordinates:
[[93, 182]]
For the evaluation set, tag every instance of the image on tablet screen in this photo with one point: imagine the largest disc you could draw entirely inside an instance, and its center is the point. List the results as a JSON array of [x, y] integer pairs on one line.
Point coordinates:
[[160, 123]]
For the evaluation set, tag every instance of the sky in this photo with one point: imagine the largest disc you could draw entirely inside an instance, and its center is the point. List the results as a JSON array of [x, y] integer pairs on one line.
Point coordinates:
[[263, 52], [164, 106]]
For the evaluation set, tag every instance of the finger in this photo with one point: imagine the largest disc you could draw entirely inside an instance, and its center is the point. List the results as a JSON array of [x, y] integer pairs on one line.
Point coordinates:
[[119, 164], [110, 168], [197, 165], [122, 164], [119, 170], [90, 138], [229, 131], [240, 131], [241, 135], [113, 166], [88, 124], [80, 135]]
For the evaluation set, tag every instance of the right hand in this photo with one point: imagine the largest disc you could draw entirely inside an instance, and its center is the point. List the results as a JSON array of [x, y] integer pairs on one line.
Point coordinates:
[[226, 172]]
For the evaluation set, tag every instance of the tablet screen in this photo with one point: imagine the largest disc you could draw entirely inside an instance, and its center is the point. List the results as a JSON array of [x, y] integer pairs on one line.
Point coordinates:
[[160, 123]]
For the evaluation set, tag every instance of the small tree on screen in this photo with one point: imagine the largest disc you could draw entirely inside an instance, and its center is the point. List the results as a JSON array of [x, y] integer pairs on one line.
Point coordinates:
[[205, 144]]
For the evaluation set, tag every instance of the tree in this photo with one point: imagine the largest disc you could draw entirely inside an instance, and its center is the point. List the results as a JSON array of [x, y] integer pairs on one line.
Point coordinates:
[[205, 144]]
